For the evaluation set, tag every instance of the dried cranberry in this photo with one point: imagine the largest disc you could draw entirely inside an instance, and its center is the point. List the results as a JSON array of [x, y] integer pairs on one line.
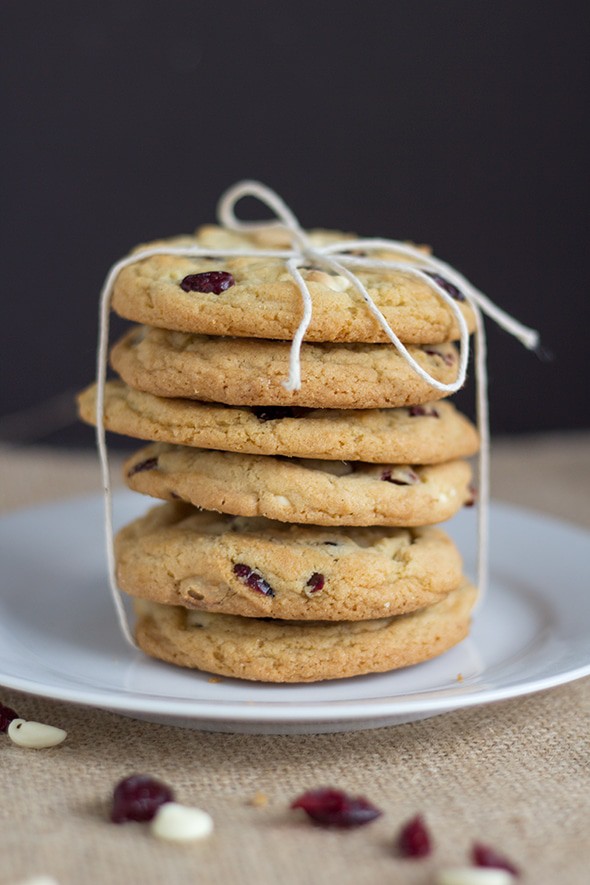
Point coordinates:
[[334, 808], [414, 839], [484, 856], [400, 477], [471, 501], [427, 411], [253, 579], [275, 413], [445, 284], [148, 464], [138, 797], [215, 281], [448, 358], [316, 582], [7, 714]]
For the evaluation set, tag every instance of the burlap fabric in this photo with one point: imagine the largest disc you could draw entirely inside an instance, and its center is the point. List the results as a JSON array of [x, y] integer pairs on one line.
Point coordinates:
[[514, 774]]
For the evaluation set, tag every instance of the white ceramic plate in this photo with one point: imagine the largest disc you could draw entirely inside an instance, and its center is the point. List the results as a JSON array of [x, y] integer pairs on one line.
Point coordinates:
[[59, 637]]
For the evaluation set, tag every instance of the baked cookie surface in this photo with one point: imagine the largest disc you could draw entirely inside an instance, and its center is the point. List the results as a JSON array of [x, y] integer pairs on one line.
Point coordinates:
[[264, 301], [248, 371], [279, 651], [425, 434], [301, 490], [176, 555]]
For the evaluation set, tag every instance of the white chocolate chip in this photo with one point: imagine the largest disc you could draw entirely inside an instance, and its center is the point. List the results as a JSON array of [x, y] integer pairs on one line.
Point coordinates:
[[333, 281], [179, 823], [35, 735], [474, 876], [281, 501], [39, 880], [402, 476], [339, 283]]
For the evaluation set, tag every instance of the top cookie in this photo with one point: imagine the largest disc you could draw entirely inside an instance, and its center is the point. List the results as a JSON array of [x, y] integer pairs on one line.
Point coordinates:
[[264, 300]]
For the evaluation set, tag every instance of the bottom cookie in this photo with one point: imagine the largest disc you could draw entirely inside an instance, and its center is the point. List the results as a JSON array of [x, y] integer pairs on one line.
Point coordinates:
[[294, 651]]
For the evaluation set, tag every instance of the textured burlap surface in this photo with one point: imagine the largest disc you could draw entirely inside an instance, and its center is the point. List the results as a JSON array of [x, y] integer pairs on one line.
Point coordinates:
[[514, 774]]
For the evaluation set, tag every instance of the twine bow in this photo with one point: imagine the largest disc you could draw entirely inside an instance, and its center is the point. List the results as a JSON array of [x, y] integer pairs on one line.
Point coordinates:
[[334, 258]]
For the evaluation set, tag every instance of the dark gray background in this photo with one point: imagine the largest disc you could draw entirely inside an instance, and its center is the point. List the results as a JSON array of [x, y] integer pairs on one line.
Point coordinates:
[[458, 123]]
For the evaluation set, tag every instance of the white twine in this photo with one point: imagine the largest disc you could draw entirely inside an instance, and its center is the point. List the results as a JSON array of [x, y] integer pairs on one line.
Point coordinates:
[[334, 258]]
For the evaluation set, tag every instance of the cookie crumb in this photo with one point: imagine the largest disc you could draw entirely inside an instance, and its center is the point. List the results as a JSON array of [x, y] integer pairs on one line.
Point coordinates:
[[258, 800], [214, 680], [459, 677]]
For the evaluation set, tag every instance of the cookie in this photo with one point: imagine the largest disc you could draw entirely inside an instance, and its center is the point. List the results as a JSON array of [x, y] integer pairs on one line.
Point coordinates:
[[176, 555], [264, 301], [248, 371], [283, 651], [425, 434], [301, 490]]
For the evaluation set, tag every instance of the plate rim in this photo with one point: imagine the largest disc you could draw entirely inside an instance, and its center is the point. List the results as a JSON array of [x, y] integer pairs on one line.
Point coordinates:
[[284, 711]]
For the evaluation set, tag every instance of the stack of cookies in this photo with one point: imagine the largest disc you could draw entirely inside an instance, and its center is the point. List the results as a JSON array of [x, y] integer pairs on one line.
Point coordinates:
[[299, 539]]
